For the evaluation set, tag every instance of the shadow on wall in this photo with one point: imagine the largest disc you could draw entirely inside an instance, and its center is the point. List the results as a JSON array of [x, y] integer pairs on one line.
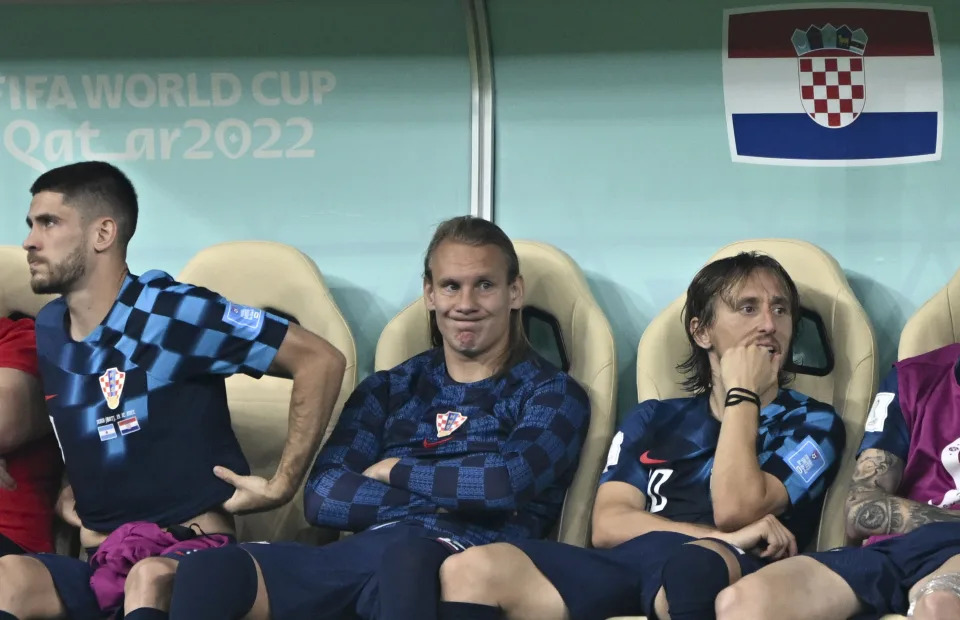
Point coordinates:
[[628, 322], [366, 314], [888, 311]]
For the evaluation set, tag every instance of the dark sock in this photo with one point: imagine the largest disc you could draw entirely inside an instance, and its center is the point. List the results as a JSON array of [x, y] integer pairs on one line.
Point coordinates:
[[214, 583], [143, 613], [6, 615], [692, 579], [409, 579], [469, 611]]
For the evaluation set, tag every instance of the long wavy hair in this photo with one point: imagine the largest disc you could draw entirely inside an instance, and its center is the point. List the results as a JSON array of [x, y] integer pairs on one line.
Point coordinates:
[[721, 281]]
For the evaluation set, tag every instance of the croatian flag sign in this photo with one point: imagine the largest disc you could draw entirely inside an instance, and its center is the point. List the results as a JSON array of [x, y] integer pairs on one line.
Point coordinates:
[[832, 85]]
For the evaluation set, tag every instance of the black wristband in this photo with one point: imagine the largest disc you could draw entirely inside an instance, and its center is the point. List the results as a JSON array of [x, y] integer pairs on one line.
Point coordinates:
[[737, 395]]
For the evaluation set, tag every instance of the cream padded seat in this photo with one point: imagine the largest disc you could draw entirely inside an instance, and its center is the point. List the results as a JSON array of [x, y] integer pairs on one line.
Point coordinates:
[[935, 324], [279, 277], [556, 285]]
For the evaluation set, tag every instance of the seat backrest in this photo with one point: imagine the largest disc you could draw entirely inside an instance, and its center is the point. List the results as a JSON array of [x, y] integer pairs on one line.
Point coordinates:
[[276, 277], [935, 324], [16, 296], [849, 386], [553, 283]]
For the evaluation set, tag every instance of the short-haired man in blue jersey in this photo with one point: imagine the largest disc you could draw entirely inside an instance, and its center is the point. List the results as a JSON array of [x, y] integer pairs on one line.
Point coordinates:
[[133, 369], [697, 491], [472, 441]]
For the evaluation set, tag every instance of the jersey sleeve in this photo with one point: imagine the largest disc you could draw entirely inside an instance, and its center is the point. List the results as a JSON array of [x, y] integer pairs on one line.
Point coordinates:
[[886, 428], [18, 346], [623, 458], [177, 331], [804, 452], [337, 494]]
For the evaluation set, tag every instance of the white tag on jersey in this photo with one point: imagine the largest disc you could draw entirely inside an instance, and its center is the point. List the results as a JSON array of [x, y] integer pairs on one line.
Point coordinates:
[[878, 412], [613, 456], [807, 461], [242, 316]]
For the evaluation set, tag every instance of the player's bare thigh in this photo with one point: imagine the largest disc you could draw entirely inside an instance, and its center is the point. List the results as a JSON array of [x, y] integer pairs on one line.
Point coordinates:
[[798, 588], [27, 590], [500, 575]]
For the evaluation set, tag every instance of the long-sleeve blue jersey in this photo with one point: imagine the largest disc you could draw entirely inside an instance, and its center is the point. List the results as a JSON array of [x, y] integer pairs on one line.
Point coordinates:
[[484, 461]]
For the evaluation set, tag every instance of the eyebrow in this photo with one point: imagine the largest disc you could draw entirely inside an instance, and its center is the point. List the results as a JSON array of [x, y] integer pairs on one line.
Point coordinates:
[[478, 278], [40, 217], [777, 300], [747, 300]]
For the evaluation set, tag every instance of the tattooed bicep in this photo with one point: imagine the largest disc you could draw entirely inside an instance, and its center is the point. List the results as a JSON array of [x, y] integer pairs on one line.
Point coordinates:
[[878, 468]]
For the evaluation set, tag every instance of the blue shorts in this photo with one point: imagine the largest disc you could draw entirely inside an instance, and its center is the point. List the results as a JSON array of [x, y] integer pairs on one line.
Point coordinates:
[[331, 581], [882, 574], [71, 578], [597, 584]]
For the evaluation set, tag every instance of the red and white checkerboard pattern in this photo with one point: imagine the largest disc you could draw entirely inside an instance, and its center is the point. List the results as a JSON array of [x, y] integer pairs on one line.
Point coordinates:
[[832, 89], [449, 422], [111, 384]]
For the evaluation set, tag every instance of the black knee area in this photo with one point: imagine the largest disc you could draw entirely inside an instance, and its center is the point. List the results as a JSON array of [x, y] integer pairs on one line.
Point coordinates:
[[469, 611], [692, 579], [409, 579], [214, 583], [145, 613]]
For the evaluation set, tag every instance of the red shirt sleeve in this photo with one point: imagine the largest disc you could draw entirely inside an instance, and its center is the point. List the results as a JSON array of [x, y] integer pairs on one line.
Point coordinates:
[[18, 345]]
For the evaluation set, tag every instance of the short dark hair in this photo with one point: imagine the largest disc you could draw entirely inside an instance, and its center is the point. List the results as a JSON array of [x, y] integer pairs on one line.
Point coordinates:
[[477, 232], [96, 188], [721, 280]]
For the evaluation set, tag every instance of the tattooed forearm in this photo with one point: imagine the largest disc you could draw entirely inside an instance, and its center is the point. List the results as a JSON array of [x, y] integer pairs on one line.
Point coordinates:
[[895, 515], [878, 469], [879, 516], [896, 519], [920, 514], [874, 516], [872, 507]]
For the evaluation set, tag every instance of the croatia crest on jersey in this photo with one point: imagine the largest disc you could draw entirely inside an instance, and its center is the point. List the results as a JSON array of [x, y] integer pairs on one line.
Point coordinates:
[[111, 384], [449, 422], [837, 84]]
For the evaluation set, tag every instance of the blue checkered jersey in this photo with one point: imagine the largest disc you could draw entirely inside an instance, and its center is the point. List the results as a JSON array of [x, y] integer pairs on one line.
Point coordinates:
[[139, 407], [482, 462], [666, 449]]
